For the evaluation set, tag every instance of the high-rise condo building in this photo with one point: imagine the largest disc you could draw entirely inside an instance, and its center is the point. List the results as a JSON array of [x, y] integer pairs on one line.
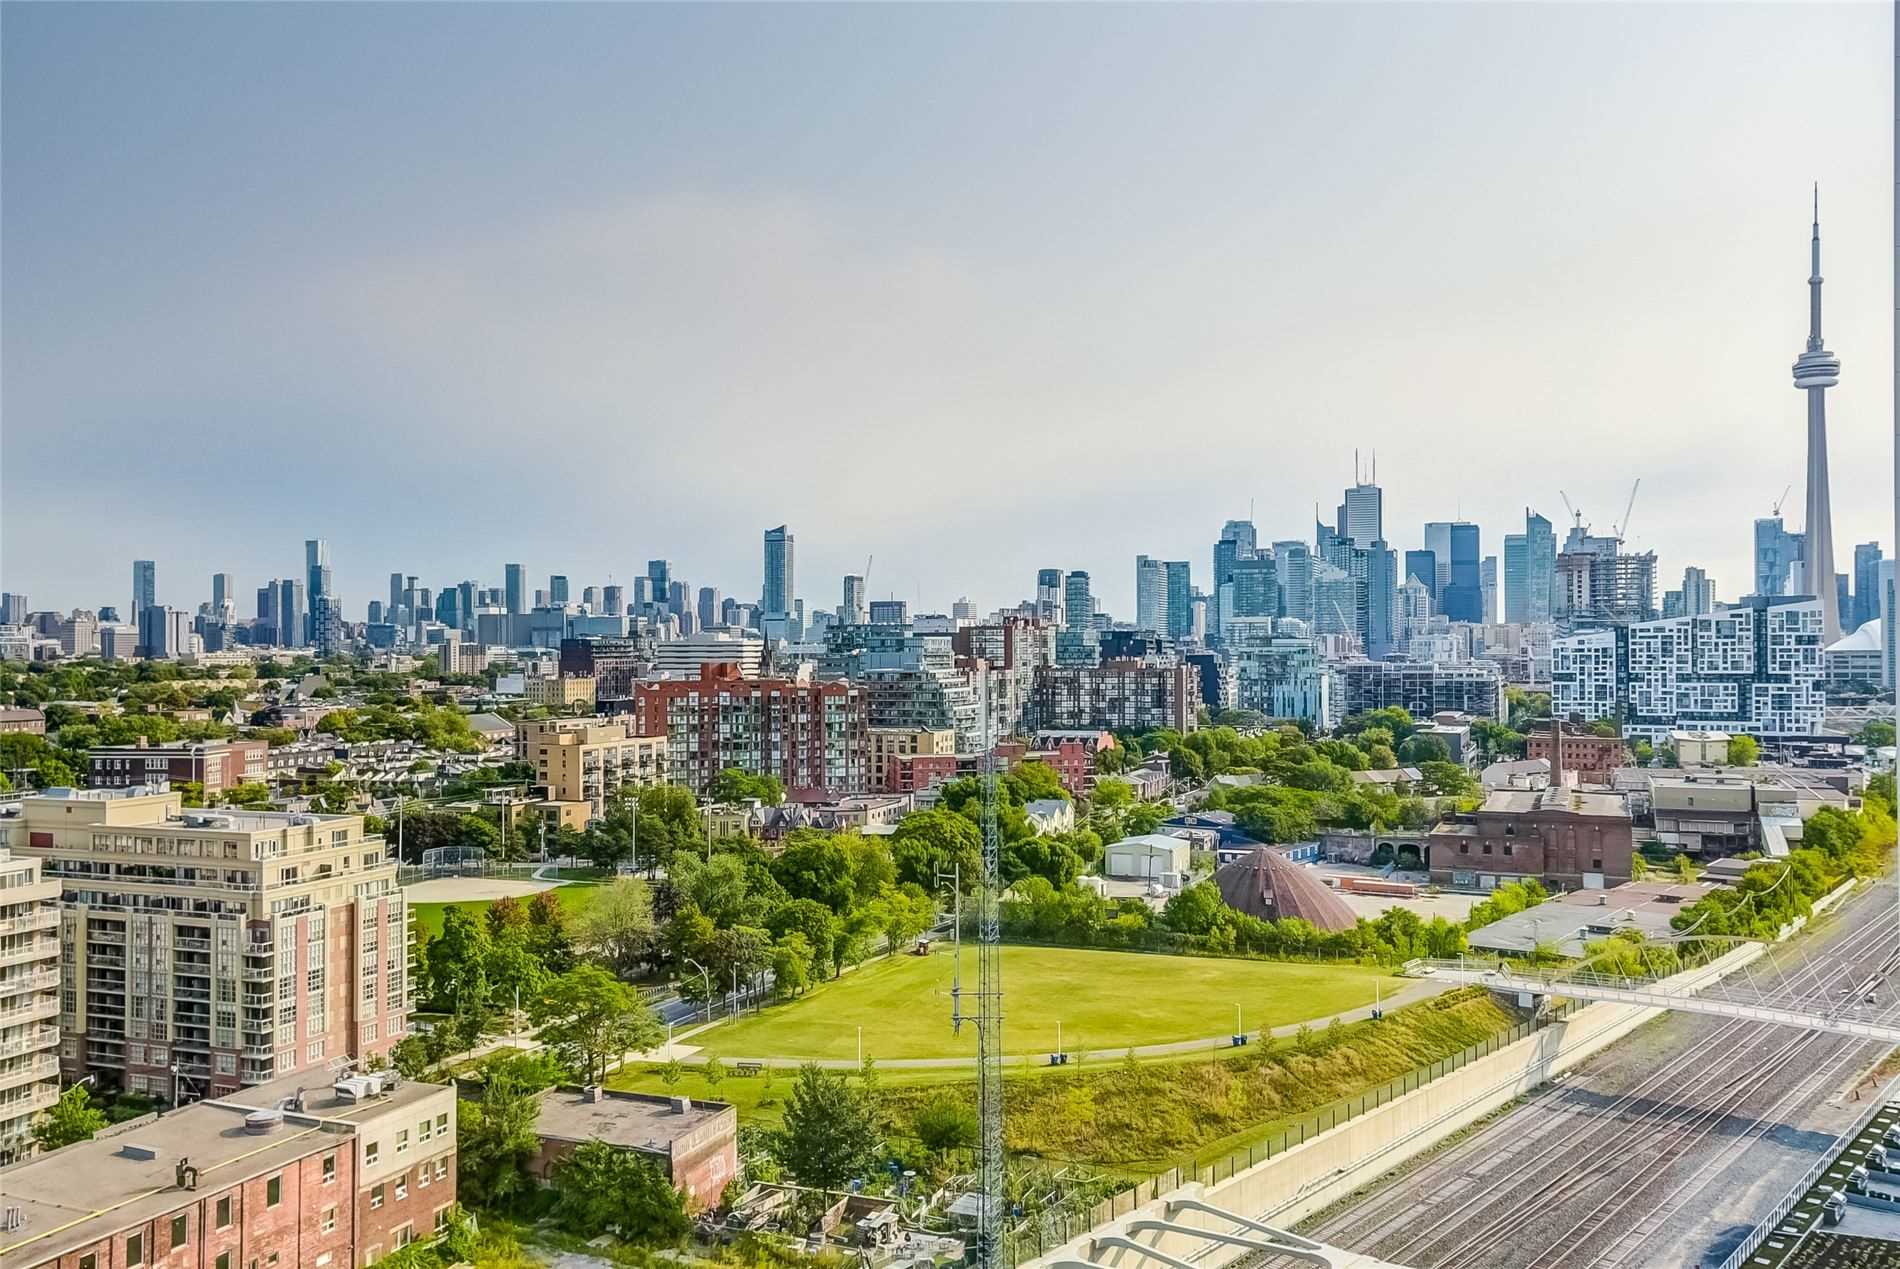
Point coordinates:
[[144, 586], [851, 610], [1776, 551], [1151, 595], [557, 588], [1866, 604], [780, 573], [514, 586], [29, 1000], [1180, 600], [1293, 570]]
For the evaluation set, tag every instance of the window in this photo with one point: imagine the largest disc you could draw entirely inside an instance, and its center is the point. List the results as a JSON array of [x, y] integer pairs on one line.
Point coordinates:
[[441, 1218], [134, 1249], [442, 1123], [441, 1169], [329, 1168], [224, 1260], [1596, 865], [89, 1261], [178, 1232], [405, 1235], [329, 1218], [370, 1153], [402, 1187], [224, 1212], [422, 1176], [375, 1198], [1487, 848], [402, 1140], [424, 1131], [274, 1191]]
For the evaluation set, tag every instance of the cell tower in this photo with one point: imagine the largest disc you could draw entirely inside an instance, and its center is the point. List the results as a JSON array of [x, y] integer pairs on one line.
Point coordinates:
[[992, 1194]]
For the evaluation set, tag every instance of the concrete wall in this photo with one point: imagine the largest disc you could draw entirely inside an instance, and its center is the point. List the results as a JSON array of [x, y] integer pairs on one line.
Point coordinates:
[[1298, 1182]]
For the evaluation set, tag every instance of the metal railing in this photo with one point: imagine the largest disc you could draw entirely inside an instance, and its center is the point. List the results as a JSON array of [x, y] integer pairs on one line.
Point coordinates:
[[1760, 1234]]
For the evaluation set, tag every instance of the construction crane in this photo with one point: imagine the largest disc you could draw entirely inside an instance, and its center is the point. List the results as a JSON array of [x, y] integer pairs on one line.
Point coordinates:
[[1622, 530], [1576, 516], [1782, 499]]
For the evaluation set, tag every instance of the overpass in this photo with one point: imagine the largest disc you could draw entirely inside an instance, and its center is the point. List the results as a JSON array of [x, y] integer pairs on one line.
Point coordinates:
[[1610, 989]]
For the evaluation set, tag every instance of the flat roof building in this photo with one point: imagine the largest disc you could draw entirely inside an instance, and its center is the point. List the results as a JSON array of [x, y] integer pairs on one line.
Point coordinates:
[[588, 760], [216, 764], [29, 1001], [695, 1142], [298, 1174], [1569, 840], [205, 950]]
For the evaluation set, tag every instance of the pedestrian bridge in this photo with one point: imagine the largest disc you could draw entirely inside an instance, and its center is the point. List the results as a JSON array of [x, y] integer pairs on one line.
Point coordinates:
[[1189, 1228], [1844, 1020]]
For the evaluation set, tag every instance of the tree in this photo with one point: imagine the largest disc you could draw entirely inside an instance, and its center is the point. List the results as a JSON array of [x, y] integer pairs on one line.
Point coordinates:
[[547, 934], [616, 927], [815, 865], [906, 912], [1876, 733], [933, 843], [791, 965], [72, 1118], [830, 1134], [495, 1138], [815, 922], [602, 1189], [1743, 751], [736, 785], [590, 1018], [455, 963], [946, 1123]]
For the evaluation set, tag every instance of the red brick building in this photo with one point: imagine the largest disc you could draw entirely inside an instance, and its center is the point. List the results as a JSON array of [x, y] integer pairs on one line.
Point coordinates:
[[1566, 839], [913, 773], [697, 1143], [814, 736], [1590, 756], [216, 764], [331, 1179]]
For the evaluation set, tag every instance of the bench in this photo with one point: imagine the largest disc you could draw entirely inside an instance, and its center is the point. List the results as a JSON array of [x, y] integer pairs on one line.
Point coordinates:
[[748, 1068]]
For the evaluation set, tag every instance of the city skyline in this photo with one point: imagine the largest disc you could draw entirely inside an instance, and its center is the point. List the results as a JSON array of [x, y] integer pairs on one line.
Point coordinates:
[[1632, 306]]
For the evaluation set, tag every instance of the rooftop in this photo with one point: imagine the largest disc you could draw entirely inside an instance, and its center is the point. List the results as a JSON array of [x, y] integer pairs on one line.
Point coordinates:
[[127, 1174], [1573, 801], [1578, 916], [634, 1121]]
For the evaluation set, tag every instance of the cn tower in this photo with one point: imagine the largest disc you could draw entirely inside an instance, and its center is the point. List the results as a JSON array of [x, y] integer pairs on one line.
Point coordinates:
[[1815, 371]]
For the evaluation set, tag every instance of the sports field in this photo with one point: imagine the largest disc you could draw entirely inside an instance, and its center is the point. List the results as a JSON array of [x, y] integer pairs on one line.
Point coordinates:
[[1103, 1000], [425, 919]]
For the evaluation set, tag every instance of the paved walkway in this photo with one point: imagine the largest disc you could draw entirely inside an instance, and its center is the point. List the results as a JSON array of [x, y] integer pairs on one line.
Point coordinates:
[[1405, 996]]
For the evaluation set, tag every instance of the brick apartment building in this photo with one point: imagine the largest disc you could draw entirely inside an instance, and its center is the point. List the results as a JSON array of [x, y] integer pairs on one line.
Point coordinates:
[[814, 736], [1590, 756], [1567, 839], [206, 950], [216, 764], [283, 1177], [696, 1143], [891, 745]]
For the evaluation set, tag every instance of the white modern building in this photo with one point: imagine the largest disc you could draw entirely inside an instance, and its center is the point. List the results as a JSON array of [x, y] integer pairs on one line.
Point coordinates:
[[29, 1000], [1754, 669]]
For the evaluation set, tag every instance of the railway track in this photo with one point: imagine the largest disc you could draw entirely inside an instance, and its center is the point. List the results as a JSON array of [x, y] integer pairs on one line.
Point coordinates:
[[1564, 1181]]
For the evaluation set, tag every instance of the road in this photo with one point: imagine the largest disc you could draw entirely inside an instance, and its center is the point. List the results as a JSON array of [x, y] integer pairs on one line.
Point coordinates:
[[1664, 1150]]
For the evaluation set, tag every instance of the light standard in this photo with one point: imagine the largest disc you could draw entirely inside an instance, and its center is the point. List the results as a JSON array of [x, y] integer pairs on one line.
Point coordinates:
[[708, 976]]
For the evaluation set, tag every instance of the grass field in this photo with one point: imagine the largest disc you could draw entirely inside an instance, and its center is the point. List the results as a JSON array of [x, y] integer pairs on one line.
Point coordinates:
[[1103, 1000], [425, 919]]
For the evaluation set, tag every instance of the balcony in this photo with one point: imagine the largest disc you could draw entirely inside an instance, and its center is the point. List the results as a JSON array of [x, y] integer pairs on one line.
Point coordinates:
[[192, 945], [200, 995], [31, 950], [94, 934], [41, 1008], [38, 980], [258, 973], [105, 960], [32, 1042], [27, 1071], [44, 919]]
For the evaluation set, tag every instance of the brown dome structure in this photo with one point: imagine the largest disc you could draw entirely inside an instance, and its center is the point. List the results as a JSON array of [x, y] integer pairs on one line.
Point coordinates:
[[1268, 885]]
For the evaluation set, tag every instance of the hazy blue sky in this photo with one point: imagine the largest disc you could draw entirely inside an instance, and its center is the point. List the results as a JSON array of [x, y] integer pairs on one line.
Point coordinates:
[[980, 289]]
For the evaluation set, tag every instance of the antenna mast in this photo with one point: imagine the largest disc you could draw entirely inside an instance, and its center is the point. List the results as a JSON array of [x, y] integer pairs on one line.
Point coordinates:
[[993, 1196]]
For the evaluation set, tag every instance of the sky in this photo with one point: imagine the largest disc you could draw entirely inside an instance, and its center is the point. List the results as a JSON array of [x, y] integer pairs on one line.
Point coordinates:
[[974, 290]]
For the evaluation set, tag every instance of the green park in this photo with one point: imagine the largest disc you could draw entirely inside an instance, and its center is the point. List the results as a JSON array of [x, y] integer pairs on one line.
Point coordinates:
[[900, 1007]]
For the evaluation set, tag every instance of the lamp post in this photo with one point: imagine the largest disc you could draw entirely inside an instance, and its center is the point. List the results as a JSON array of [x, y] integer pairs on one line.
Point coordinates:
[[708, 977]]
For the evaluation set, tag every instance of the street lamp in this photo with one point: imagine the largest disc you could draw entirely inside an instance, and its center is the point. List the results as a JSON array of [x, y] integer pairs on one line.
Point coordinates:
[[708, 976]]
